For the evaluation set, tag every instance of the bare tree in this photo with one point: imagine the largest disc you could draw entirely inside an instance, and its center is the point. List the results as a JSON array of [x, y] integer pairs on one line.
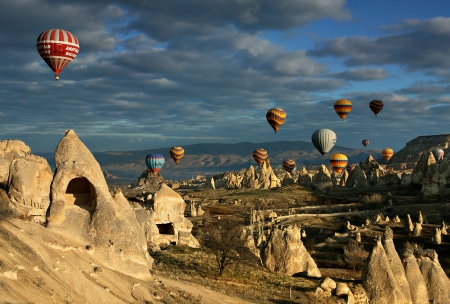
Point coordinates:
[[355, 255], [223, 239]]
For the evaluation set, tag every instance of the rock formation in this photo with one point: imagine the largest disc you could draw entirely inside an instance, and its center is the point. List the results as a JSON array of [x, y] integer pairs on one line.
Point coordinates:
[[395, 263], [417, 229], [26, 179], [344, 177], [357, 178], [29, 186], [83, 210], [322, 179], [162, 217], [437, 238], [264, 178], [285, 253], [435, 278], [150, 180], [408, 224], [10, 150], [304, 179], [417, 285], [379, 280]]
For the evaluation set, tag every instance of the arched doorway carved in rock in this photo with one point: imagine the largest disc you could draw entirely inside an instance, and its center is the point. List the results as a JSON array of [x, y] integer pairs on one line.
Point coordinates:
[[80, 192]]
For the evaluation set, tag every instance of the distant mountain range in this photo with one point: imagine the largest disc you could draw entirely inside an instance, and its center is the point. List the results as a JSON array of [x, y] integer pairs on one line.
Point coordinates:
[[213, 158]]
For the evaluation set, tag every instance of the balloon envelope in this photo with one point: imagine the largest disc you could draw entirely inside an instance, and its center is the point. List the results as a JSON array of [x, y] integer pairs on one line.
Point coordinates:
[[338, 162], [155, 162], [324, 140], [387, 153], [176, 153], [57, 48], [260, 155], [438, 154], [342, 107], [289, 165], [276, 118], [365, 142], [376, 106]]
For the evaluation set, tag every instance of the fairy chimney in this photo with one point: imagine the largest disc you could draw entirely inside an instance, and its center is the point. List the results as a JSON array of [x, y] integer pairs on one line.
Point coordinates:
[[378, 279], [285, 253], [83, 210], [395, 263], [417, 285]]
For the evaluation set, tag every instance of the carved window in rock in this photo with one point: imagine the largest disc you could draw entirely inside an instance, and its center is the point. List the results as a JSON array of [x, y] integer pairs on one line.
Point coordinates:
[[80, 192], [166, 229]]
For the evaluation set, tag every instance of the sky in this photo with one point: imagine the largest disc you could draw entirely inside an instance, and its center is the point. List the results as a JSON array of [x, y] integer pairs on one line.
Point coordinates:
[[154, 74]]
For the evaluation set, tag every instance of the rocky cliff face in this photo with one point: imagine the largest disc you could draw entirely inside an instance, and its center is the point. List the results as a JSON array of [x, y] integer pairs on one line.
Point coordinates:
[[414, 149]]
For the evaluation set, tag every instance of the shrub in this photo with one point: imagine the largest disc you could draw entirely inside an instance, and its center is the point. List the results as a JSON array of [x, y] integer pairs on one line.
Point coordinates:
[[355, 255], [372, 200]]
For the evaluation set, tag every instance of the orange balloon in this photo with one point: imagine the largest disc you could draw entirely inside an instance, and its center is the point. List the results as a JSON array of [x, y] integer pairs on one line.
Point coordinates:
[[387, 153], [338, 162]]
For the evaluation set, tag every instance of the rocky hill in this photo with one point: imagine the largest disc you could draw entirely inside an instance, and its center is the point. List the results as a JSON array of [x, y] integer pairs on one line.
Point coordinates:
[[416, 147]]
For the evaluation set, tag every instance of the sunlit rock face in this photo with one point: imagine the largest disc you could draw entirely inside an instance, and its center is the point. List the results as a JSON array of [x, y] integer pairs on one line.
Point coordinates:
[[285, 253], [26, 179], [10, 150], [83, 210], [162, 219], [29, 186]]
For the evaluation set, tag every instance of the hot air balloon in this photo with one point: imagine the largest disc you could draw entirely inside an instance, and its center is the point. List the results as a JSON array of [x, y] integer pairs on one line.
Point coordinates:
[[376, 106], [289, 165], [350, 168], [177, 154], [342, 107], [365, 142], [438, 154], [324, 140], [276, 118], [155, 162], [387, 153], [260, 155], [338, 162], [58, 48]]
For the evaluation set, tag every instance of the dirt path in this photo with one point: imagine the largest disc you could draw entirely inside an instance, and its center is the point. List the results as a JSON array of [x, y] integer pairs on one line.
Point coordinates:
[[206, 295]]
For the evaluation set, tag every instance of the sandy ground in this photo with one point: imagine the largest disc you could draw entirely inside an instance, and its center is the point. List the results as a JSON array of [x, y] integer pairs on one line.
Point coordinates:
[[206, 295], [37, 266]]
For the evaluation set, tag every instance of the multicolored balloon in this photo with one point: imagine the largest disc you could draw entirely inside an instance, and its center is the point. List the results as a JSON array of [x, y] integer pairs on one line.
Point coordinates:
[[350, 168], [276, 118], [324, 140], [289, 165], [155, 162], [338, 162], [342, 108], [376, 106], [260, 155], [58, 48], [387, 153], [365, 142], [177, 154], [438, 154]]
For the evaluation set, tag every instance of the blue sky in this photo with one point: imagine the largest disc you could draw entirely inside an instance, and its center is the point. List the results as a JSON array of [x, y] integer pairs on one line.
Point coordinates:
[[161, 73]]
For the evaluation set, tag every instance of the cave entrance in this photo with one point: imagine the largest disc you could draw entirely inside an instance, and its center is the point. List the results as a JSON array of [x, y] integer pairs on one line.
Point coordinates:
[[166, 229], [80, 192]]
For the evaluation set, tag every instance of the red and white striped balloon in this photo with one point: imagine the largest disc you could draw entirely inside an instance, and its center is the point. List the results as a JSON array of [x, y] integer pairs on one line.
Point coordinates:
[[57, 48]]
